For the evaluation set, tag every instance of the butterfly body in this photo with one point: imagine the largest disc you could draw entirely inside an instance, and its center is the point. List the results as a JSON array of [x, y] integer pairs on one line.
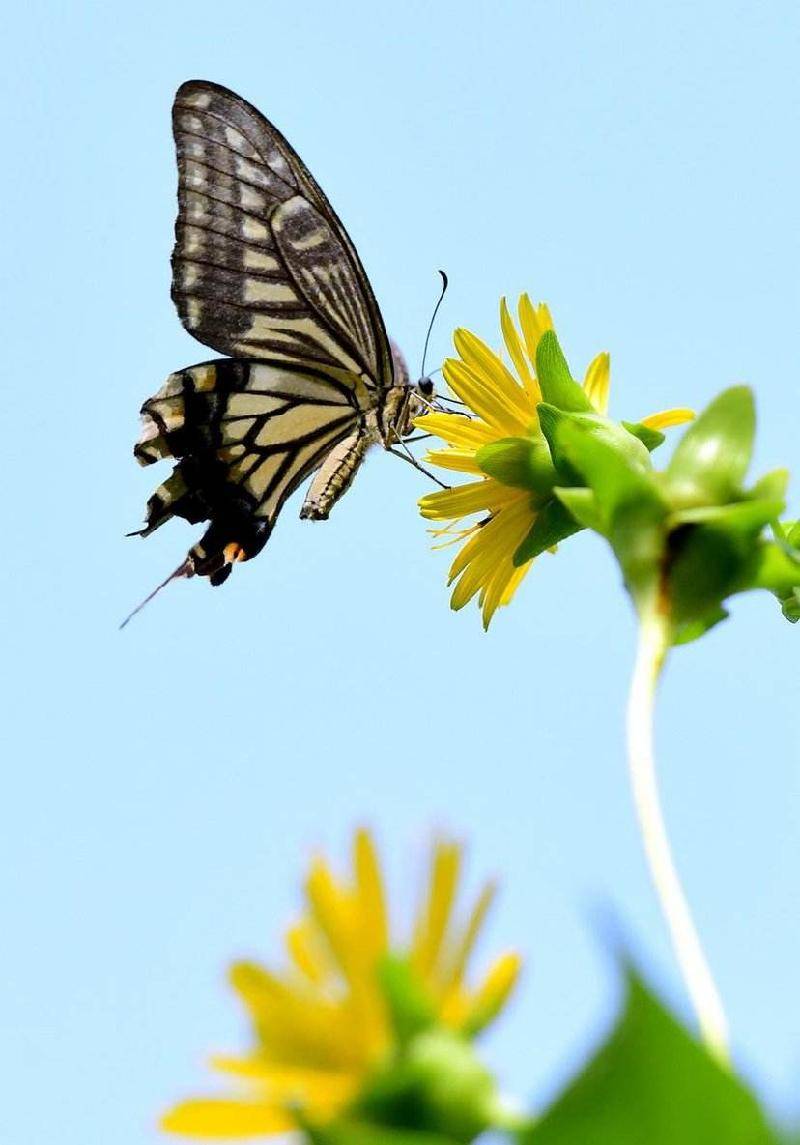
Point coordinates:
[[263, 271]]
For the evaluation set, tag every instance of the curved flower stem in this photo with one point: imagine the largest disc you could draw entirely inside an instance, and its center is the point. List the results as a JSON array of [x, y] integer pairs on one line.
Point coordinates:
[[654, 639]]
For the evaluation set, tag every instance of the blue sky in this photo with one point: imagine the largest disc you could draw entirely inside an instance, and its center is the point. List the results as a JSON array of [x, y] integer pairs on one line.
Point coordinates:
[[633, 164]]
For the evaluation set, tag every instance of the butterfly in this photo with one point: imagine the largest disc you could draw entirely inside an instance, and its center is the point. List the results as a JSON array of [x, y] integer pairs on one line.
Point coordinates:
[[264, 272]]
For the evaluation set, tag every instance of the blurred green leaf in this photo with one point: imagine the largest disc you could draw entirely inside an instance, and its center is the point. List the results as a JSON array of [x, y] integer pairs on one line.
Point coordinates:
[[652, 1084], [555, 380], [711, 459], [553, 524], [522, 462]]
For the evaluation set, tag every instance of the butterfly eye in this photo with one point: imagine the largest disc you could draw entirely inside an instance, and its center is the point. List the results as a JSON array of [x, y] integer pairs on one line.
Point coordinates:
[[425, 387]]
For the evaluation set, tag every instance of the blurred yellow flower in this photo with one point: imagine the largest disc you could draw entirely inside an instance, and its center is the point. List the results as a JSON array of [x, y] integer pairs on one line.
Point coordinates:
[[321, 1026], [502, 404]]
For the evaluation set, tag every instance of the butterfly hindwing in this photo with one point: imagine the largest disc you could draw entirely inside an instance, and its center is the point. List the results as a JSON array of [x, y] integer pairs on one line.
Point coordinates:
[[246, 435], [262, 267]]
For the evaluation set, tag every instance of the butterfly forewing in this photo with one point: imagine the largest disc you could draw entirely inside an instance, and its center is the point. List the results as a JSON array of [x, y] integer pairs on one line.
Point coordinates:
[[262, 267]]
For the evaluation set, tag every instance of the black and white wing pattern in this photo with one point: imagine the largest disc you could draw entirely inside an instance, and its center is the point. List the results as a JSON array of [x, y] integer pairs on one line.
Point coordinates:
[[263, 271], [262, 267], [247, 434]]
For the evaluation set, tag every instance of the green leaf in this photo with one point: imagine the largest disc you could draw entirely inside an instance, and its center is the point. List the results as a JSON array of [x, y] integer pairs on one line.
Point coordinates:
[[522, 462], [711, 459], [555, 381], [652, 1084], [650, 438], [554, 523]]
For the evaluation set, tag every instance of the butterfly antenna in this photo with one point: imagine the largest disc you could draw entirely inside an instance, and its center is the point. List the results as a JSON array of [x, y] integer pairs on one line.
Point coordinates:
[[433, 319], [183, 569]]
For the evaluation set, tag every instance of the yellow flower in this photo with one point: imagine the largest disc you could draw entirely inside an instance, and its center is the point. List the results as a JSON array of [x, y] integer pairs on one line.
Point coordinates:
[[502, 404], [321, 1026]]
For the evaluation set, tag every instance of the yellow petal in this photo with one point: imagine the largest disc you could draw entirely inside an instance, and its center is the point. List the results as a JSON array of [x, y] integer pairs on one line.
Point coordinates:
[[516, 580], [434, 913], [305, 952], [331, 911], [457, 429], [492, 543], [500, 405], [534, 320], [470, 934], [668, 418], [598, 381], [515, 349], [494, 590], [490, 402], [221, 1118], [486, 365], [371, 899], [474, 497], [492, 995], [459, 460], [292, 1085], [298, 1029]]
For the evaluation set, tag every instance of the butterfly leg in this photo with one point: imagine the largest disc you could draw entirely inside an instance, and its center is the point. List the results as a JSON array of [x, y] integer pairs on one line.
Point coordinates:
[[335, 476]]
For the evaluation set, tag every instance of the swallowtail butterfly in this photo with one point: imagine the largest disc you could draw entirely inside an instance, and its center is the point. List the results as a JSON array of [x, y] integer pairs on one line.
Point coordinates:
[[263, 271]]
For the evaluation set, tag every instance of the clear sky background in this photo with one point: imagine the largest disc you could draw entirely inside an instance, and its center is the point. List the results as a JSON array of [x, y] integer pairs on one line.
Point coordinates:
[[634, 164]]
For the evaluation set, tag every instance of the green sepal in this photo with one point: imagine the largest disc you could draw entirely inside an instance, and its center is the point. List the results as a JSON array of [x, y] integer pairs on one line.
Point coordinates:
[[410, 1009], [694, 629], [627, 506], [558, 386], [553, 524], [582, 504], [650, 438], [790, 606], [777, 568], [652, 1083], [571, 437], [772, 486], [521, 462], [711, 459], [706, 564], [437, 1084], [745, 516], [347, 1131]]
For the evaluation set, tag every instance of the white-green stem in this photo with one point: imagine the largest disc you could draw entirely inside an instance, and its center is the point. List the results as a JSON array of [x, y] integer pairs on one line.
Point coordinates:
[[654, 639]]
